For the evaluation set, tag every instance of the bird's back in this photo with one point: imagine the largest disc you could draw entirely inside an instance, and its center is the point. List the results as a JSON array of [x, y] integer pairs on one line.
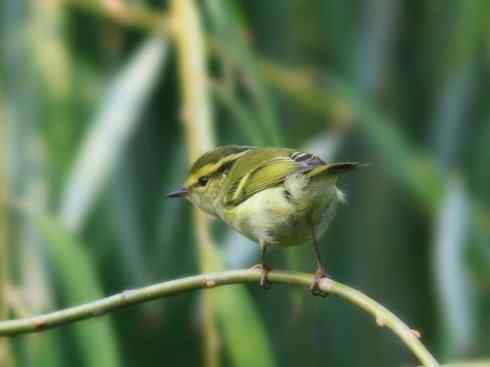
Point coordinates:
[[264, 168]]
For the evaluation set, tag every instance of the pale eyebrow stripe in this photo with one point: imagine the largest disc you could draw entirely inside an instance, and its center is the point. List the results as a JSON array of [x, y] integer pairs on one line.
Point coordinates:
[[210, 168]]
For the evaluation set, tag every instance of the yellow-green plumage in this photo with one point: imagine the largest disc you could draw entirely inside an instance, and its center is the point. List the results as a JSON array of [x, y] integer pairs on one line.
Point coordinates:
[[275, 196], [271, 198]]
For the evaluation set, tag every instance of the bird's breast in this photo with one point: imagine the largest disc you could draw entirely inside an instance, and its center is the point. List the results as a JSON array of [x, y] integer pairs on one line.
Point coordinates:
[[284, 214]]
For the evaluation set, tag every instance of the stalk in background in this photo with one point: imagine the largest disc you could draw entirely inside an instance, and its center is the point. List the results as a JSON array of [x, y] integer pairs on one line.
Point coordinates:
[[196, 116], [5, 356]]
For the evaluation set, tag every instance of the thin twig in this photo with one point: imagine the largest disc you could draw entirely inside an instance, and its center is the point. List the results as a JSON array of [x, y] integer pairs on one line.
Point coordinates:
[[383, 316], [483, 363]]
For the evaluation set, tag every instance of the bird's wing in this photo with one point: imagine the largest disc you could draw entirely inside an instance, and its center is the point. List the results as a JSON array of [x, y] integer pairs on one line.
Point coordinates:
[[263, 169]]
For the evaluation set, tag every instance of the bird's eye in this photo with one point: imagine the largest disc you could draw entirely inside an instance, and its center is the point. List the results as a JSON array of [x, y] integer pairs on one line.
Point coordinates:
[[203, 180]]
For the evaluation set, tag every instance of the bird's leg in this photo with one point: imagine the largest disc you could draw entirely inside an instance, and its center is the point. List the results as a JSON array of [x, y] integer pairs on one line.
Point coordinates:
[[264, 282], [320, 269]]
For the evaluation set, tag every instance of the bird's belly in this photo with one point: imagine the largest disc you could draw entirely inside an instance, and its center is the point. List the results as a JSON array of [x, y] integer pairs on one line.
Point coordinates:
[[274, 217]]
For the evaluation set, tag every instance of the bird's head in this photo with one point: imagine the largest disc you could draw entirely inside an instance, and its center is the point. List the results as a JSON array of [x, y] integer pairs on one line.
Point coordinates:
[[204, 184]]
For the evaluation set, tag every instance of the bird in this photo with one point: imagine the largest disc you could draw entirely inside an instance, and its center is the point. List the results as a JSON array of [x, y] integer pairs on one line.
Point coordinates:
[[274, 196]]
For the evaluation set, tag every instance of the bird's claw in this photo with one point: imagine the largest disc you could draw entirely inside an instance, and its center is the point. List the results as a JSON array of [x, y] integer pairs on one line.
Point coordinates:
[[264, 270], [315, 286]]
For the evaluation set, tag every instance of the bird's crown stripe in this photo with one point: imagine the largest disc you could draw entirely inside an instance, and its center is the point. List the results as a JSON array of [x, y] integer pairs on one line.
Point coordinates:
[[214, 167]]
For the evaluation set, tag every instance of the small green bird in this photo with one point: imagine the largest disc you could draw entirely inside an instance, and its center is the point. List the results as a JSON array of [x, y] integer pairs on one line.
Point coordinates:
[[275, 196]]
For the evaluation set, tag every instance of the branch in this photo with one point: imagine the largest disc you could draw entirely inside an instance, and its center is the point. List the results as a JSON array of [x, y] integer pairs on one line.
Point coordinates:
[[483, 363], [97, 308]]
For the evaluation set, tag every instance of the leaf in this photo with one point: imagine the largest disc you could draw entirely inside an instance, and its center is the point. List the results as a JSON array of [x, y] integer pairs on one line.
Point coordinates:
[[244, 332], [46, 350], [228, 27], [117, 119], [243, 118], [455, 290], [77, 279]]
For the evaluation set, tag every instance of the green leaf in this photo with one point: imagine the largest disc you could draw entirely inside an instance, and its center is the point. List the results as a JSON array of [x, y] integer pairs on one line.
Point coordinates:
[[46, 350], [78, 281], [116, 121], [228, 28], [244, 331], [456, 293]]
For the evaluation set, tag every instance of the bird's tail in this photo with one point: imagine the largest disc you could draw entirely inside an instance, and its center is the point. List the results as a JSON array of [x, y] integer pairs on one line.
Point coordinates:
[[335, 168]]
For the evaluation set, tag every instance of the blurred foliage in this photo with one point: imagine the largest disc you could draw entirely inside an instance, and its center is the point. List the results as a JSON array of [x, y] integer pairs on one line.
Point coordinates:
[[91, 113]]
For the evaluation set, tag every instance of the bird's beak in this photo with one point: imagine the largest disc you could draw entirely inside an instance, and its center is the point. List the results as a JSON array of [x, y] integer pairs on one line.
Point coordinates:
[[180, 193]]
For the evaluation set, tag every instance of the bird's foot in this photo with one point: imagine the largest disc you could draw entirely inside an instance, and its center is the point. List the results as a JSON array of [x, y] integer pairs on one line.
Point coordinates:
[[315, 286], [264, 270]]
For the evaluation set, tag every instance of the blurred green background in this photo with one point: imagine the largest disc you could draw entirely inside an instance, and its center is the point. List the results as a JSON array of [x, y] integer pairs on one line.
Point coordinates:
[[91, 139]]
